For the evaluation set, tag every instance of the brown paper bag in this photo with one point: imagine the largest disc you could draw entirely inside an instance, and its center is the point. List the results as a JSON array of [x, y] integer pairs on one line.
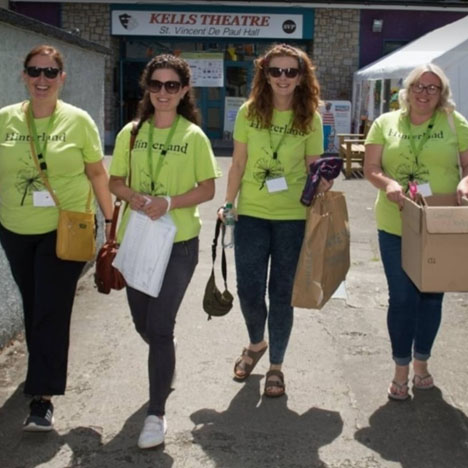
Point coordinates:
[[324, 258]]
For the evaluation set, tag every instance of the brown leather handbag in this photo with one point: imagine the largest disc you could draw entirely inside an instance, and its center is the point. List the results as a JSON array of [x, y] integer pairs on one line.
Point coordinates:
[[106, 277]]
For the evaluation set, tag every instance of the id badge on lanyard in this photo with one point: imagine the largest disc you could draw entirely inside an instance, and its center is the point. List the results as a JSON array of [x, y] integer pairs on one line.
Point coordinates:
[[277, 184]]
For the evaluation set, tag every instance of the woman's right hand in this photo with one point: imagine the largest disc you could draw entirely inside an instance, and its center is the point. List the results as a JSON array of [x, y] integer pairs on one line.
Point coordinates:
[[137, 201], [223, 210], [395, 193]]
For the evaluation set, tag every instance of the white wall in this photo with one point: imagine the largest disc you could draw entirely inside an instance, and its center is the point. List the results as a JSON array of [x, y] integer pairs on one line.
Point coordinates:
[[84, 88]]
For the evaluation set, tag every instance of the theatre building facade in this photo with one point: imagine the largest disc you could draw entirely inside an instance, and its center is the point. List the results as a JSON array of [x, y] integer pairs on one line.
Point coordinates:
[[221, 41]]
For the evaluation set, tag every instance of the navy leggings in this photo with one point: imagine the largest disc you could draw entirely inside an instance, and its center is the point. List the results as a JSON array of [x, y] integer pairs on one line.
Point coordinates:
[[267, 250]]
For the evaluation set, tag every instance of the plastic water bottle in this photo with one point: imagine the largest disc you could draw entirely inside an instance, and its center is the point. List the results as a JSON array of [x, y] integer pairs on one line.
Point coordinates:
[[229, 222]]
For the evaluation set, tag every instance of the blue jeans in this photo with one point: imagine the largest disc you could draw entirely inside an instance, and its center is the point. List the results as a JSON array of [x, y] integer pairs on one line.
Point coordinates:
[[259, 243], [413, 317]]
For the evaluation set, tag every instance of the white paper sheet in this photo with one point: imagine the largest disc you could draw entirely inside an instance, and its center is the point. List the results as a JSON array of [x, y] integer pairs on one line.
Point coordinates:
[[144, 252]]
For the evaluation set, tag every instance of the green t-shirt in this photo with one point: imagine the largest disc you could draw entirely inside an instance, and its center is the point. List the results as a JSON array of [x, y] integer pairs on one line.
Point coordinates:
[[437, 163], [189, 160], [254, 198], [72, 142]]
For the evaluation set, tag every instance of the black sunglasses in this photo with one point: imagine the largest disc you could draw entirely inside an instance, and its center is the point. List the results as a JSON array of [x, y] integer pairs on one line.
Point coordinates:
[[276, 72], [49, 72], [155, 86]]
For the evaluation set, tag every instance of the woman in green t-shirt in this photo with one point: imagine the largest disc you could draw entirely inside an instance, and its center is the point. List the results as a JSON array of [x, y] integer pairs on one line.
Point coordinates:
[[70, 153], [277, 134], [414, 149], [173, 170]]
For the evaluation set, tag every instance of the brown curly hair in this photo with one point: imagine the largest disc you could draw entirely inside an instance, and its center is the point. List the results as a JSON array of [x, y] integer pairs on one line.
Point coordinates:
[[186, 107], [306, 97]]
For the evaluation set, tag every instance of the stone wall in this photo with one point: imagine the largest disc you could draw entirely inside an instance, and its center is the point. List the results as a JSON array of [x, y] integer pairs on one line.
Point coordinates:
[[336, 51], [91, 21]]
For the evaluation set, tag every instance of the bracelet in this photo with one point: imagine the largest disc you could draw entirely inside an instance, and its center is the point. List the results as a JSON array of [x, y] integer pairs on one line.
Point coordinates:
[[108, 221], [168, 199]]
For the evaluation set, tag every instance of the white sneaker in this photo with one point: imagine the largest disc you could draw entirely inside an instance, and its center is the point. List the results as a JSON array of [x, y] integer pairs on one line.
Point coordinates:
[[153, 432]]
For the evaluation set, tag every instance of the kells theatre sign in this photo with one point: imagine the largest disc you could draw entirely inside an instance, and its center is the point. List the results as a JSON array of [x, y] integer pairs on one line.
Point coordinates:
[[203, 24]]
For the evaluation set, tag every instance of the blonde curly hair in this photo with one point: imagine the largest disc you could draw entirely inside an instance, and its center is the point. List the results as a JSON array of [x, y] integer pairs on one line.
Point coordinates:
[[446, 102]]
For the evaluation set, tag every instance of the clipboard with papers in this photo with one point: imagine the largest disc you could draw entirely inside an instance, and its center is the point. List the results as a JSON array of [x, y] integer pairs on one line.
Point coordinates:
[[145, 250]]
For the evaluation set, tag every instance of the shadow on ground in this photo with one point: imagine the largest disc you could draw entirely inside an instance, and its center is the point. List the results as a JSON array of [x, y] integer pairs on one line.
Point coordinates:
[[257, 431], [424, 432], [27, 450]]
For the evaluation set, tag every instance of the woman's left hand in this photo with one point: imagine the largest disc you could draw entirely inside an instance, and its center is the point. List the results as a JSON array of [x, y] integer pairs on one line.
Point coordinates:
[[462, 189], [155, 207], [324, 185]]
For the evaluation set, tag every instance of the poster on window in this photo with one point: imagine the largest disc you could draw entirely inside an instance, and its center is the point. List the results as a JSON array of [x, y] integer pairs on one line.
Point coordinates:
[[336, 118], [231, 107], [207, 69]]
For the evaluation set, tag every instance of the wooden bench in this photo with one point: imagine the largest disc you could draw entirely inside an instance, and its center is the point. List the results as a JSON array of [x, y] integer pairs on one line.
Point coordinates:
[[352, 149]]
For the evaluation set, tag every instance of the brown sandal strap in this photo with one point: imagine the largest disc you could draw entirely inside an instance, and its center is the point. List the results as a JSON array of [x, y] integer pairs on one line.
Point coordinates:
[[247, 368], [274, 383]]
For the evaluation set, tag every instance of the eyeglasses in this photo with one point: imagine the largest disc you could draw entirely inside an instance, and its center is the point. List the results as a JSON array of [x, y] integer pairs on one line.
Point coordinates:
[[155, 86], [49, 72], [431, 89], [276, 72]]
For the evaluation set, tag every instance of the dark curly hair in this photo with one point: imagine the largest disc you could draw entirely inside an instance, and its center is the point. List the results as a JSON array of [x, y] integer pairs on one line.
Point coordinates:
[[186, 107], [306, 97]]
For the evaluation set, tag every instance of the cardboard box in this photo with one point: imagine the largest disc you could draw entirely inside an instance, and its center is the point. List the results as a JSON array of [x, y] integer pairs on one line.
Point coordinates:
[[434, 250]]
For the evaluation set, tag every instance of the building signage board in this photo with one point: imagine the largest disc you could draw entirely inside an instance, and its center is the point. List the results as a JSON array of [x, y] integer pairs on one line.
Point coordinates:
[[205, 24]]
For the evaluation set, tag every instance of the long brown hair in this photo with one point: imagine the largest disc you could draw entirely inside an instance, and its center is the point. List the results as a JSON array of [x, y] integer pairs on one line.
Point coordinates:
[[186, 106], [306, 97]]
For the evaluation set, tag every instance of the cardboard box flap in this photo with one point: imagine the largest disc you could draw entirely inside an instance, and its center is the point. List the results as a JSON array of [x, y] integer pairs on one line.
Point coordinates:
[[448, 199], [446, 219], [412, 213]]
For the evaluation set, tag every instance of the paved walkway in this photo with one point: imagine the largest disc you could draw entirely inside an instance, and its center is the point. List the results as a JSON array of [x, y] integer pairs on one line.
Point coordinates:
[[337, 369]]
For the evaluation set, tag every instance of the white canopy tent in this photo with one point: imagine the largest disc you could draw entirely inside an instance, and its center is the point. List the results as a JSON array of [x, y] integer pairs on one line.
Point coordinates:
[[446, 47]]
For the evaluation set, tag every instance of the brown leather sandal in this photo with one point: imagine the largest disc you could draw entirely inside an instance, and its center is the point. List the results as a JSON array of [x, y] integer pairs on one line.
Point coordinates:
[[247, 368], [276, 383]]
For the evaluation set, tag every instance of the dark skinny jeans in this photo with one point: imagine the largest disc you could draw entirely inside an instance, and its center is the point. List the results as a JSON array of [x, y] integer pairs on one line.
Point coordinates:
[[47, 285], [154, 319]]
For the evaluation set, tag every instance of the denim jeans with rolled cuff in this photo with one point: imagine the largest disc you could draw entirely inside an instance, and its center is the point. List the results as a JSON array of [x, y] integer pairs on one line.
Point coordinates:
[[267, 250], [413, 317]]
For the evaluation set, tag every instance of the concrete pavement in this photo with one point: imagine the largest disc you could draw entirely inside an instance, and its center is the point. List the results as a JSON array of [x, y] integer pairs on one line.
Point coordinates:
[[336, 413]]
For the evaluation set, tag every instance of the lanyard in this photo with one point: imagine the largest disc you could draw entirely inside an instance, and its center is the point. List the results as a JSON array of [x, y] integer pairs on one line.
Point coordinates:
[[163, 151], [275, 151], [41, 152], [423, 140]]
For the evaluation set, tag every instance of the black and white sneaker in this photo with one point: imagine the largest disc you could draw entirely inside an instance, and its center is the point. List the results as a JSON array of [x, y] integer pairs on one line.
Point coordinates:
[[41, 416]]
